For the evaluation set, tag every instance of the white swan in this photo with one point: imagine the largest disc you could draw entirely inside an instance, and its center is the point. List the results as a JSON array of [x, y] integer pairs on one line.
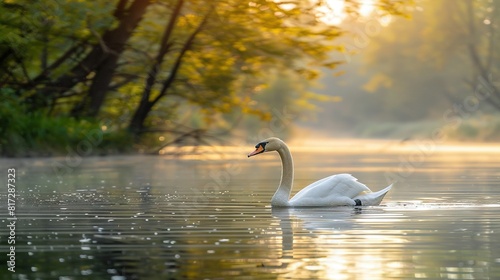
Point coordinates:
[[335, 190]]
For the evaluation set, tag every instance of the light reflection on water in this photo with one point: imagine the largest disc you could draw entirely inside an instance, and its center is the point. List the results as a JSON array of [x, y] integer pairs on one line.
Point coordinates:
[[209, 218]]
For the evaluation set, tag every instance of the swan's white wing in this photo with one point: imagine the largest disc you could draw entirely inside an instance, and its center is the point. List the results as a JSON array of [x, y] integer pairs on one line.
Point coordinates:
[[335, 190]]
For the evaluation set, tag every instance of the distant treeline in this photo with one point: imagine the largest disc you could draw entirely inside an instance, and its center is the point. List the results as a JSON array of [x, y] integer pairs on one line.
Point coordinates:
[[440, 67]]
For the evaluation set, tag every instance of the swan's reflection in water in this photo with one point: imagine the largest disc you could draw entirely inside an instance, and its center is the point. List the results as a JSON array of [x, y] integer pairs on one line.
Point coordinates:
[[312, 219], [338, 243], [387, 243]]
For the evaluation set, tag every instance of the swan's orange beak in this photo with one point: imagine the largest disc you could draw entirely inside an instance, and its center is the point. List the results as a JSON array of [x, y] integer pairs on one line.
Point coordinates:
[[259, 149]]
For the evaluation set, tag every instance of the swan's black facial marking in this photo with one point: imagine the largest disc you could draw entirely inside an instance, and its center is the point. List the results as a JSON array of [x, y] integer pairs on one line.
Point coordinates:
[[263, 144]]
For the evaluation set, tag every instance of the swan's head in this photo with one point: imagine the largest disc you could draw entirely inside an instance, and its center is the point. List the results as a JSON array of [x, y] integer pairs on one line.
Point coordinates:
[[268, 145]]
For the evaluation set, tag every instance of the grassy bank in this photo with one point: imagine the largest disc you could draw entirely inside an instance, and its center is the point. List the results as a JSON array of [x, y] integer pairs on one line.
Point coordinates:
[[32, 133]]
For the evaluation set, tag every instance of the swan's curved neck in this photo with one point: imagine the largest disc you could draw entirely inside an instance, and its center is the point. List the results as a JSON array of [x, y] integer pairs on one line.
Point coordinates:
[[280, 198]]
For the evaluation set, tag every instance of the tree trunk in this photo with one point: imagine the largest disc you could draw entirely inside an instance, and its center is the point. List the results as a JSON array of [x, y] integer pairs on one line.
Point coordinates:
[[100, 59], [115, 41], [136, 125]]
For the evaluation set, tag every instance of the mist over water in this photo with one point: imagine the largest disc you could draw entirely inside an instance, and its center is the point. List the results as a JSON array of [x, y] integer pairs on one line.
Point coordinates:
[[208, 216]]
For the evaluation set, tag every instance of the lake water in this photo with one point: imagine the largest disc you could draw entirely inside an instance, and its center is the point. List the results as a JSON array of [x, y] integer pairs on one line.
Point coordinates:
[[208, 216]]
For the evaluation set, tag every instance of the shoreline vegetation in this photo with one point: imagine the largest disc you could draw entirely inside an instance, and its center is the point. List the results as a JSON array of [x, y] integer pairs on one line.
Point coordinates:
[[24, 134]]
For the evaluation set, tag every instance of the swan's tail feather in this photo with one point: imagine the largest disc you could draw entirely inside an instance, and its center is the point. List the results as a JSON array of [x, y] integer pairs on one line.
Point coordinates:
[[373, 198]]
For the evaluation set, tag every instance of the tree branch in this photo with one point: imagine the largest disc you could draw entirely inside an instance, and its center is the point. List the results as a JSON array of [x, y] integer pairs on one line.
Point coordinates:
[[62, 59], [19, 62], [187, 46], [492, 37], [472, 41], [164, 46]]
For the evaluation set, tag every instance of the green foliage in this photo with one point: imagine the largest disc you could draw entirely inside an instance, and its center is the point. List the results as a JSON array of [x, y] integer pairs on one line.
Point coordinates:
[[33, 133], [181, 63], [226, 66], [40, 32]]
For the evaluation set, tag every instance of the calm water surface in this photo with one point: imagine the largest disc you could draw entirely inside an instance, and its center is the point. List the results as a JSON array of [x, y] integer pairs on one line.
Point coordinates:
[[209, 217]]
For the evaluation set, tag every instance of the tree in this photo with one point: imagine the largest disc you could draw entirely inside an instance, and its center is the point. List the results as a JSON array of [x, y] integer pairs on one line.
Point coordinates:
[[482, 33], [456, 42], [150, 58], [101, 60], [145, 105], [96, 48], [104, 57], [413, 72], [240, 33]]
